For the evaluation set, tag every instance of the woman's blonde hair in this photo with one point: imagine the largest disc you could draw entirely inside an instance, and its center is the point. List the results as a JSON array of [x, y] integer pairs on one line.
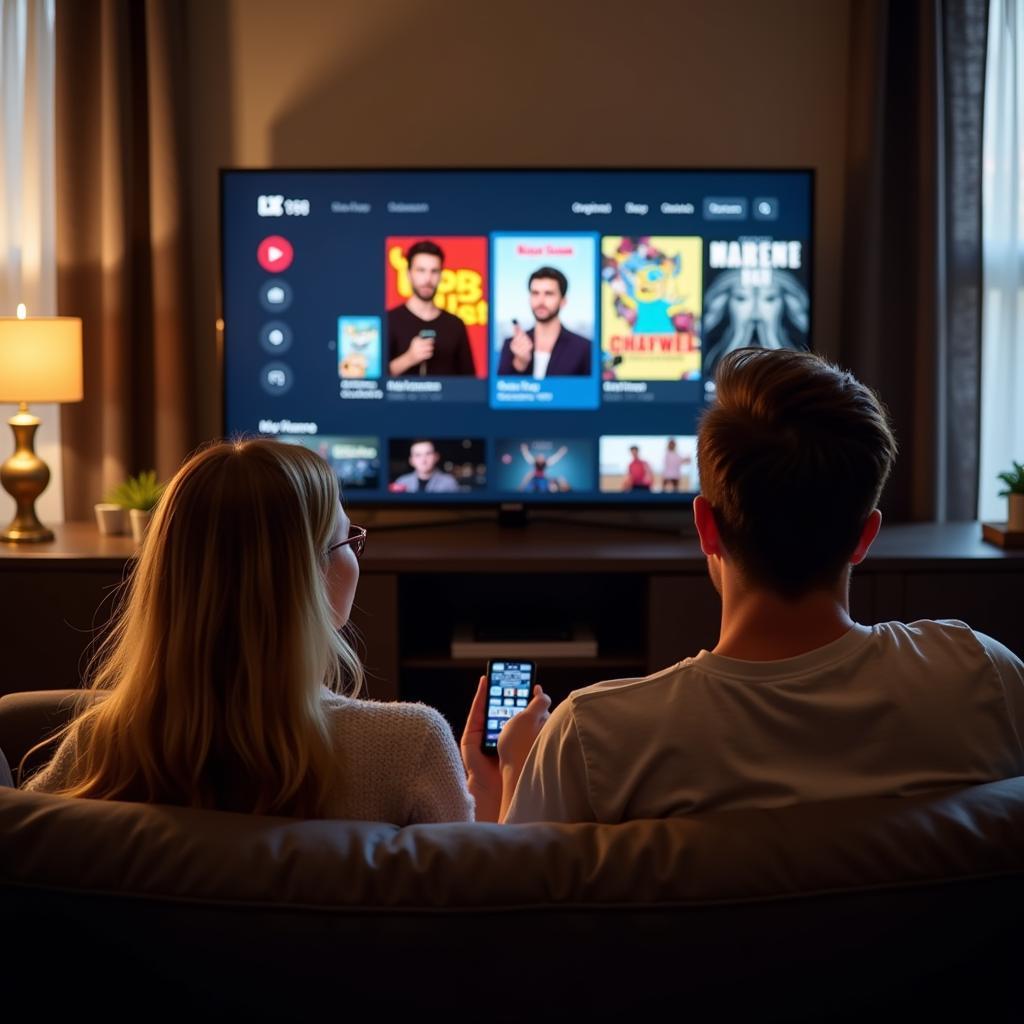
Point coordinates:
[[216, 663]]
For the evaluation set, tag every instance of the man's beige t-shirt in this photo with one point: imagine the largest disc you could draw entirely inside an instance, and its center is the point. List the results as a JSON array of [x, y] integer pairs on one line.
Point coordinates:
[[885, 710]]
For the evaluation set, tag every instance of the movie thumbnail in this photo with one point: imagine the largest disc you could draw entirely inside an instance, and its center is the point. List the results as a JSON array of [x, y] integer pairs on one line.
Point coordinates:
[[355, 460], [647, 464], [545, 305], [650, 307], [755, 293], [545, 466], [359, 348], [436, 466], [436, 295]]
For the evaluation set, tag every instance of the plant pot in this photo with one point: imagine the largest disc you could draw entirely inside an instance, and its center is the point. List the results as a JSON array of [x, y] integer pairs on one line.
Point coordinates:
[[110, 519], [140, 520], [1015, 513]]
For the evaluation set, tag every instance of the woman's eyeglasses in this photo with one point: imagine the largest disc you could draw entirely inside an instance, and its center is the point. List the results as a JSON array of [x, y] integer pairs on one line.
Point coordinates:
[[356, 537]]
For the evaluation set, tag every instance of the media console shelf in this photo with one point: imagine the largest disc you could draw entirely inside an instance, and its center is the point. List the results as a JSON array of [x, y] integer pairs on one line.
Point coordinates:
[[646, 597]]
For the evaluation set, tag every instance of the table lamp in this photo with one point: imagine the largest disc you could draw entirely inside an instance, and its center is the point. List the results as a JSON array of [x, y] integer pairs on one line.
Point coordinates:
[[40, 361]]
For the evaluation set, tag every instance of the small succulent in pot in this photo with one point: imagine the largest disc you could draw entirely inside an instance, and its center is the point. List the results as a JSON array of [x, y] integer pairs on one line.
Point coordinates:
[[1014, 493]]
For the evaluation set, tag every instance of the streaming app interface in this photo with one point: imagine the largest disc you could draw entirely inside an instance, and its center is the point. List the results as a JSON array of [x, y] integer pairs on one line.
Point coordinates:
[[482, 336], [509, 687]]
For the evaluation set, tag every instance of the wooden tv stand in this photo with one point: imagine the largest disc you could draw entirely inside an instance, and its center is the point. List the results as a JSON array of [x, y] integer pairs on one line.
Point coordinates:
[[646, 596]]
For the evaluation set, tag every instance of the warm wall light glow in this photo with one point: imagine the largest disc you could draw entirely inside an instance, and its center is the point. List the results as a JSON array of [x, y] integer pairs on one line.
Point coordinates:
[[22, 311]]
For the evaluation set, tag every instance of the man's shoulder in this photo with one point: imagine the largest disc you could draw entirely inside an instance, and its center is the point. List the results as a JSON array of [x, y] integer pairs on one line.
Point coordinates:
[[948, 634], [571, 338], [941, 649], [441, 481], [627, 689], [450, 319], [926, 632]]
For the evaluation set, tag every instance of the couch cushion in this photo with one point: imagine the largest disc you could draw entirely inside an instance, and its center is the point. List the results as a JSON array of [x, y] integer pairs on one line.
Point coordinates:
[[881, 909], [180, 852]]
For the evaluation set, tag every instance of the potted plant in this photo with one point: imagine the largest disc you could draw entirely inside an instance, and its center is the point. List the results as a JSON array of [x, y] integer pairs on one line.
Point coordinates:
[[1014, 493], [139, 495], [111, 518]]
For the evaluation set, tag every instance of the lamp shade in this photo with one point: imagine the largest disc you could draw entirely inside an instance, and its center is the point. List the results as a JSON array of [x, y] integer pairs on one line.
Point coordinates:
[[41, 359]]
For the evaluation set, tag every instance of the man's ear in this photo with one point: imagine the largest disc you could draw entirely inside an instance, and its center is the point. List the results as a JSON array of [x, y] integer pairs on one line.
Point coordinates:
[[707, 528], [872, 525]]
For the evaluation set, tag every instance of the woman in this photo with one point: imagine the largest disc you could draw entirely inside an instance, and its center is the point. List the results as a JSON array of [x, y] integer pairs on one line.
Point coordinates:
[[229, 685]]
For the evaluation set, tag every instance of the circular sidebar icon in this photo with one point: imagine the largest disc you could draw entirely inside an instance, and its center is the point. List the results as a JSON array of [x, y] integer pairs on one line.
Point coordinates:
[[275, 254], [276, 337], [275, 295], [277, 378]]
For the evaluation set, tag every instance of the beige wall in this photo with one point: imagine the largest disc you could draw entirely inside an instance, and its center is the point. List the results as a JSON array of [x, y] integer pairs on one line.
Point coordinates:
[[671, 83]]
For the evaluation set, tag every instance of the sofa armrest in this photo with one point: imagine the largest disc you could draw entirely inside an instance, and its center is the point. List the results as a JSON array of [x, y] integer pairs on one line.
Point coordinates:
[[28, 718]]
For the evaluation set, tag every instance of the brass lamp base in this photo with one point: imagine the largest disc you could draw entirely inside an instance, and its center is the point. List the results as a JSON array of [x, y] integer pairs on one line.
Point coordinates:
[[25, 476]]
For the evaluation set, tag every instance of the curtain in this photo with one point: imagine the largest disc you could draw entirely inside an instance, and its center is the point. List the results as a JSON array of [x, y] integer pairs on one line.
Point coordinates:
[[1002, 416], [912, 252], [121, 214], [963, 29], [27, 213]]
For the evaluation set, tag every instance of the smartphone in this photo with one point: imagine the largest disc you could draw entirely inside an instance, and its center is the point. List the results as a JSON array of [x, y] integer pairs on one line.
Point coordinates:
[[509, 687]]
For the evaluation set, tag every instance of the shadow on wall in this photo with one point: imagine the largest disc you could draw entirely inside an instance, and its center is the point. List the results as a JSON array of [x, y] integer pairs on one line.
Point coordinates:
[[545, 85]]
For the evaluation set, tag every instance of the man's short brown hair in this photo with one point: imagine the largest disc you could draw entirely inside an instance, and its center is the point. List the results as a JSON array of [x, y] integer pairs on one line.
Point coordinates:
[[792, 459]]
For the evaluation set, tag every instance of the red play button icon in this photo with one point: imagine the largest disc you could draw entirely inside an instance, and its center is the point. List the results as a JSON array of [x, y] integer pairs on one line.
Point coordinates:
[[275, 254]]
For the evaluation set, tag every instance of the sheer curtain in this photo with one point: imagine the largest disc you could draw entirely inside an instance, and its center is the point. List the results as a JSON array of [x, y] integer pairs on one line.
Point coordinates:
[[1002, 375], [912, 254], [28, 262]]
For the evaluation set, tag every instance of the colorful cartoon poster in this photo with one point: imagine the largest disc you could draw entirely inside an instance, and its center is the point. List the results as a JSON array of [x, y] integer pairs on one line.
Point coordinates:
[[650, 307], [359, 348]]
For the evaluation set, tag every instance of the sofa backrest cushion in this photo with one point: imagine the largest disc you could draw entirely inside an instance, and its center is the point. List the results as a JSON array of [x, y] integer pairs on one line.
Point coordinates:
[[172, 852]]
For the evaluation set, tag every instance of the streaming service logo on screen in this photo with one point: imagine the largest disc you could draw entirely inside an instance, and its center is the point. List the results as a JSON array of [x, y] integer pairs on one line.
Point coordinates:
[[275, 254]]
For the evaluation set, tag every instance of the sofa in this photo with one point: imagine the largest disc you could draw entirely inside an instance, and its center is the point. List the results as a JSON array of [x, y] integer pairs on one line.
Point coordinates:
[[865, 909]]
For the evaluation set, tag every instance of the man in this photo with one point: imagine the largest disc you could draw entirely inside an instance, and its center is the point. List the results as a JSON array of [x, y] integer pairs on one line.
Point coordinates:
[[425, 477], [639, 475], [536, 480], [797, 702], [423, 339], [547, 349]]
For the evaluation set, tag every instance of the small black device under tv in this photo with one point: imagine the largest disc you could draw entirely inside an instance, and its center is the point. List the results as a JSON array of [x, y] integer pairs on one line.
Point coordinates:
[[551, 342]]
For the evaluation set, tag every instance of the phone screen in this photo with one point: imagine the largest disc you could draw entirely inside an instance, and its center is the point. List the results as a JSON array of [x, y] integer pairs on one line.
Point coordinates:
[[509, 685]]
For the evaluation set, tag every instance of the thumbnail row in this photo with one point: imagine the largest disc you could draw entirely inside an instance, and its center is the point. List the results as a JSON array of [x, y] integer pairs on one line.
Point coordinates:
[[574, 305], [642, 464]]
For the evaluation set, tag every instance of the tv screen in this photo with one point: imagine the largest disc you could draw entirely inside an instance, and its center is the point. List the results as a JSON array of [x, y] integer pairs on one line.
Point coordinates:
[[495, 336]]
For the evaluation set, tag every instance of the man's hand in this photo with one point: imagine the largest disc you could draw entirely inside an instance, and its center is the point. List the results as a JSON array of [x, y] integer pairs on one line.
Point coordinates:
[[420, 350], [521, 348], [483, 773], [515, 742]]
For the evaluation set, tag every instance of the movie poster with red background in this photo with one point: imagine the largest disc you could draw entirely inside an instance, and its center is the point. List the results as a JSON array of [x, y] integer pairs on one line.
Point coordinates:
[[463, 287]]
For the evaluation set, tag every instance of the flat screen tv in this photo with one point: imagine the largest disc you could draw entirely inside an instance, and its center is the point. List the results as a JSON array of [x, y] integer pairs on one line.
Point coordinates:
[[546, 337]]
